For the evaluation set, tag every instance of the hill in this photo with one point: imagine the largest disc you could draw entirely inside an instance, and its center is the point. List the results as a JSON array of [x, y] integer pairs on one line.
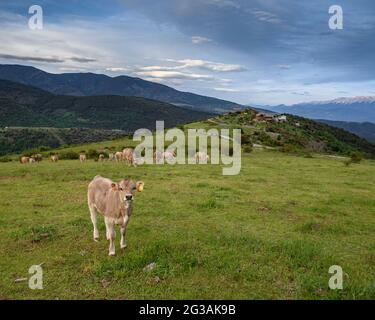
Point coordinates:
[[90, 84], [356, 109], [296, 135], [27, 106], [365, 130]]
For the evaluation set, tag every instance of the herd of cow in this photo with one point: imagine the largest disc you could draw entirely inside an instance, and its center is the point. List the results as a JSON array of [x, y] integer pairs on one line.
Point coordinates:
[[126, 155]]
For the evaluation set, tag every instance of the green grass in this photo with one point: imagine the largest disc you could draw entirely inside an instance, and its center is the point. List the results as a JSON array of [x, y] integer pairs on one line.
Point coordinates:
[[271, 232]]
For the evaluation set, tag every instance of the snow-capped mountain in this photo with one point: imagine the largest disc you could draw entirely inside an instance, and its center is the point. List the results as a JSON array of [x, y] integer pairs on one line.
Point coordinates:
[[353, 109]]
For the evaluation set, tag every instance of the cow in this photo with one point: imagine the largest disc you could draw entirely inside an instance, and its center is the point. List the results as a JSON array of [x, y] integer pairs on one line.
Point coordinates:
[[111, 156], [202, 157], [54, 158], [115, 202], [31, 160], [169, 156], [25, 160], [158, 156], [37, 157], [82, 157], [128, 156], [118, 156], [101, 157]]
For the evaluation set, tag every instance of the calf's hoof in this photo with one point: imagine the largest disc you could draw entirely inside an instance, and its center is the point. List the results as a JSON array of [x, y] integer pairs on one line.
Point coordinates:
[[124, 246], [112, 254], [96, 239]]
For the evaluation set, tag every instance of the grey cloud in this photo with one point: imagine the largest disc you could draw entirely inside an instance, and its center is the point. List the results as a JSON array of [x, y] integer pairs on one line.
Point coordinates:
[[27, 58], [82, 59], [291, 31]]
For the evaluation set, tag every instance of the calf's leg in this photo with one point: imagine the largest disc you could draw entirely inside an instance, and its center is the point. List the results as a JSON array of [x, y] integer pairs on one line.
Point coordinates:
[[111, 235], [93, 214], [123, 230]]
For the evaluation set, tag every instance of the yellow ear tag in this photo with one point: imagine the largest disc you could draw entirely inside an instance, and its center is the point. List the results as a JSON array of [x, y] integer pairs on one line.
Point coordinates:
[[140, 188]]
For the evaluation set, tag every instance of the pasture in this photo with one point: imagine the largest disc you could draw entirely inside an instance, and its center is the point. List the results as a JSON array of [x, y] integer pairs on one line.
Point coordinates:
[[271, 232]]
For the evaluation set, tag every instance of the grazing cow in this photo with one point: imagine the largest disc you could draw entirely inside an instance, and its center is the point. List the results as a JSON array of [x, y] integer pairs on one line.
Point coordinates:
[[111, 157], [37, 157], [128, 156], [118, 156], [202, 157], [115, 202], [169, 156], [54, 158], [25, 160], [101, 157], [158, 156], [82, 157]]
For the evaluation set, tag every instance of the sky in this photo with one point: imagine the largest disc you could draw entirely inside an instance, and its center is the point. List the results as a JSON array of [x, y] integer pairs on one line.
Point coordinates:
[[259, 52]]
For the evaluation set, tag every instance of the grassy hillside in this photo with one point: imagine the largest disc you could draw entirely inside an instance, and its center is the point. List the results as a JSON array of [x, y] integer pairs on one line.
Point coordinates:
[[273, 231], [297, 135], [365, 130], [27, 106]]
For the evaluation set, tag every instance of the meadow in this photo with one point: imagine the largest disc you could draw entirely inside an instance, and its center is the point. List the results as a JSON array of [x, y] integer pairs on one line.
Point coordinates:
[[271, 232]]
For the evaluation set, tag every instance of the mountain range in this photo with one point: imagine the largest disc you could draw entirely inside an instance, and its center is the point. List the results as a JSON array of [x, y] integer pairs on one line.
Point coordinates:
[[27, 106], [356, 109], [91, 84]]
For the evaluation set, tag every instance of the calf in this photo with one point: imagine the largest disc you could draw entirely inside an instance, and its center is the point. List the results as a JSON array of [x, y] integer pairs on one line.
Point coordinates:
[[37, 157], [115, 202], [169, 156], [82, 157], [25, 160], [202, 157], [101, 157], [55, 158], [128, 156], [111, 156], [118, 156]]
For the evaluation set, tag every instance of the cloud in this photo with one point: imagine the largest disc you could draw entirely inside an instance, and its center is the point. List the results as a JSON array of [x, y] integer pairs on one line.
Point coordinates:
[[163, 74], [82, 59], [283, 66], [201, 64], [227, 89], [266, 16], [225, 3], [200, 40], [29, 58], [117, 69]]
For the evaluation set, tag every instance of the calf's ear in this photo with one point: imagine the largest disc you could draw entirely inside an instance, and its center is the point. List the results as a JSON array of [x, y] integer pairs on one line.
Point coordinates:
[[114, 186], [140, 186]]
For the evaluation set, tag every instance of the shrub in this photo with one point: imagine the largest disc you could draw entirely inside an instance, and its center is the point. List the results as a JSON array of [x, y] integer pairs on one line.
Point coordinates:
[[69, 155], [92, 154], [44, 148], [247, 149], [245, 139], [356, 157], [5, 159]]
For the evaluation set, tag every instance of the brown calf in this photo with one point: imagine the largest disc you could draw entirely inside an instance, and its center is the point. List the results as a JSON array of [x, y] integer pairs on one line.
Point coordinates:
[[115, 202]]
